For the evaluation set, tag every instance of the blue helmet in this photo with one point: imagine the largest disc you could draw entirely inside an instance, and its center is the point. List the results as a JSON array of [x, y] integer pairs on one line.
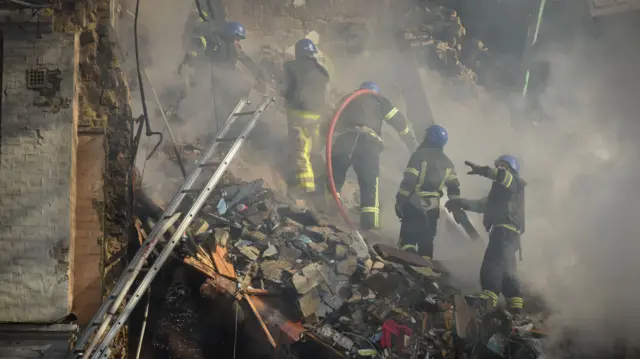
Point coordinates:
[[370, 85], [510, 160], [235, 29], [437, 136], [305, 48]]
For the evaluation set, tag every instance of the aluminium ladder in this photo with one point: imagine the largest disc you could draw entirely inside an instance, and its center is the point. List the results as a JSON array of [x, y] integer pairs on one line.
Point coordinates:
[[109, 319]]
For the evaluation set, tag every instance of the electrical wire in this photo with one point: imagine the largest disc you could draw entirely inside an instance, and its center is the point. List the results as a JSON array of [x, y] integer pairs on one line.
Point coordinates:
[[144, 124], [145, 111], [167, 127], [235, 333]]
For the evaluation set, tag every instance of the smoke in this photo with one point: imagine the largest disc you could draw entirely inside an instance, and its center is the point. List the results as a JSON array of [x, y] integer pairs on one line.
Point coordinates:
[[580, 248]]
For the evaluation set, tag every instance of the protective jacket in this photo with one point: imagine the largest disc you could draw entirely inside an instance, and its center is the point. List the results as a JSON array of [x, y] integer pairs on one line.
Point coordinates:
[[370, 112], [504, 206], [305, 83], [429, 170]]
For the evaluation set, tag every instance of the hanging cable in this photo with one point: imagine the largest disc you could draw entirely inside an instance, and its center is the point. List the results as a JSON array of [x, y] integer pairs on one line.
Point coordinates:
[[235, 331], [143, 122], [167, 126], [145, 112]]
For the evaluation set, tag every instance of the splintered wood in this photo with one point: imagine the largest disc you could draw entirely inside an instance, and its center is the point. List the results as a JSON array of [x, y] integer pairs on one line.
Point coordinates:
[[222, 262], [212, 259]]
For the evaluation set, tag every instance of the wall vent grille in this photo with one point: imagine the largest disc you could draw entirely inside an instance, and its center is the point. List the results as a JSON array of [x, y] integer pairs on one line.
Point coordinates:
[[36, 79]]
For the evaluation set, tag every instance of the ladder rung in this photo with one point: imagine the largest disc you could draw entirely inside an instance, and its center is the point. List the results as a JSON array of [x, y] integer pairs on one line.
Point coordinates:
[[115, 318], [210, 164], [191, 191], [226, 139], [245, 113]]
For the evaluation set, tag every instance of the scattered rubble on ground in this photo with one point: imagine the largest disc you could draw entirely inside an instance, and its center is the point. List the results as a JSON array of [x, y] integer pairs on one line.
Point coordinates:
[[303, 278], [440, 41]]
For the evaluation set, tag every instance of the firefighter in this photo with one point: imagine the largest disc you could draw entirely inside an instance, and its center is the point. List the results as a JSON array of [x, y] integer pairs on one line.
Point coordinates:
[[359, 143], [305, 91], [222, 50], [418, 199], [504, 219]]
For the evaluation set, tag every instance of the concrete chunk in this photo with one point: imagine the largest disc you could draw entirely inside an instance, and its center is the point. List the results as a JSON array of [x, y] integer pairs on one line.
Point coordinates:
[[250, 252], [309, 303], [348, 266], [312, 275], [290, 254], [272, 270], [270, 251]]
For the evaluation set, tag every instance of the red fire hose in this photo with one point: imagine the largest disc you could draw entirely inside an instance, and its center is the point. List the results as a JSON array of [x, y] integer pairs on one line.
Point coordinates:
[[332, 126]]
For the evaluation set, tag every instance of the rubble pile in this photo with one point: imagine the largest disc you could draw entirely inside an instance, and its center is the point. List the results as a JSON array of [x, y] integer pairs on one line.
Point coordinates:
[[306, 279], [440, 41]]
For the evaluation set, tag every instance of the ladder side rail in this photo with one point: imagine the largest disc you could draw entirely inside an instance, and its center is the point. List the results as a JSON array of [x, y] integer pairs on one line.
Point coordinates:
[[175, 239], [136, 264], [195, 173]]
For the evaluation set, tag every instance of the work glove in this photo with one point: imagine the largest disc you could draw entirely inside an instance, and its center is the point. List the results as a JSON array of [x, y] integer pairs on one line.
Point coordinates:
[[398, 211], [454, 205], [476, 169]]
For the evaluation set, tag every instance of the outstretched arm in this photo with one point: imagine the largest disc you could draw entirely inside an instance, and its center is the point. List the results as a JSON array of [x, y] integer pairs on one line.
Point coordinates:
[[475, 205], [498, 175], [399, 122]]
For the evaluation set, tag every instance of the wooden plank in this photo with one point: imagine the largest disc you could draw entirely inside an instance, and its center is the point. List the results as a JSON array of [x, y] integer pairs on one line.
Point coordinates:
[[259, 318], [289, 331], [222, 262]]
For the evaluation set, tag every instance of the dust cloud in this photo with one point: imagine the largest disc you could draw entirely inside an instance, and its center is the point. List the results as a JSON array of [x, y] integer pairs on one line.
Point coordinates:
[[580, 248]]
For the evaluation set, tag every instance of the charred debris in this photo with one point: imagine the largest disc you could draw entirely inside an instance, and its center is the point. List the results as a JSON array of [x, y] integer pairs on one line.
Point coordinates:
[[257, 277]]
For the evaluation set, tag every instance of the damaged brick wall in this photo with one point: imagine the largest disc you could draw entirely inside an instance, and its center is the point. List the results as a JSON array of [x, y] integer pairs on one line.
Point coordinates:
[[105, 113], [82, 94], [36, 186]]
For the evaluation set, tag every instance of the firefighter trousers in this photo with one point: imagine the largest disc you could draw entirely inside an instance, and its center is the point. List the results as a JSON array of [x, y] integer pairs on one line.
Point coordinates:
[[362, 151], [498, 271], [306, 156], [418, 229]]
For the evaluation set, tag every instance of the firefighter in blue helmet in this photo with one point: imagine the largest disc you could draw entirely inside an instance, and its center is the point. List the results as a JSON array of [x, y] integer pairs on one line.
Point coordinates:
[[359, 143], [427, 174], [504, 219], [305, 90], [208, 41]]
